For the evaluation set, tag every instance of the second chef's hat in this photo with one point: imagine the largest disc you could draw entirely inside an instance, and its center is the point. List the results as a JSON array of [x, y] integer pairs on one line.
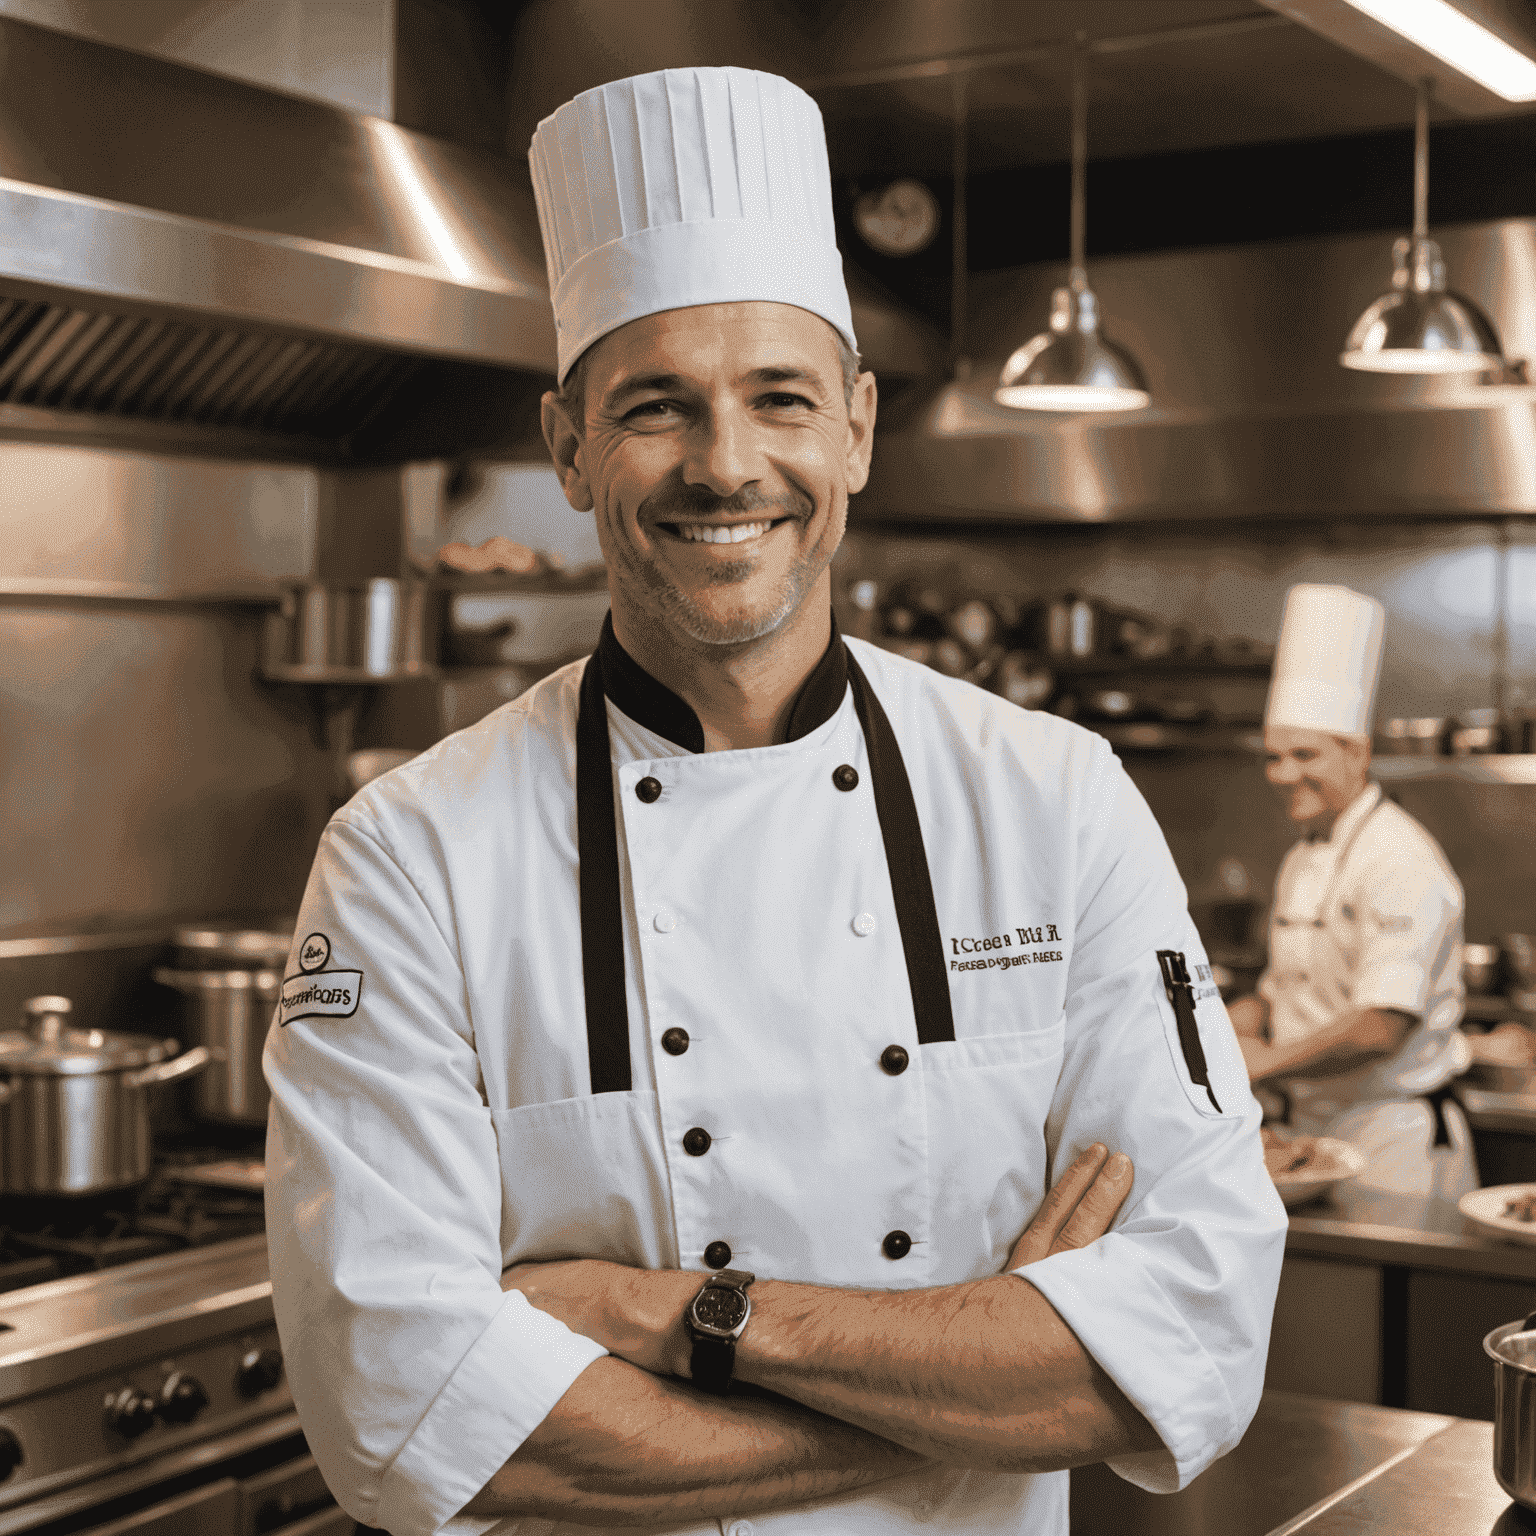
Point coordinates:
[[684, 187], [1328, 661]]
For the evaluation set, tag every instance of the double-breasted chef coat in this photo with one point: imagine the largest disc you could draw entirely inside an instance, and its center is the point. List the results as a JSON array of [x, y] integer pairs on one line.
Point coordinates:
[[434, 1117], [1370, 917]]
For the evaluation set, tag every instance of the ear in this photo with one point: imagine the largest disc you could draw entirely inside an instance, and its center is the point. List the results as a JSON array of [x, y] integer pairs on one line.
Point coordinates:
[[861, 431], [566, 443]]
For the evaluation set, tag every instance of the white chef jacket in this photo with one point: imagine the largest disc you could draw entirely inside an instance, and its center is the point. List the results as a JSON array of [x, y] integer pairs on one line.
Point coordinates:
[[1370, 917], [432, 1120]]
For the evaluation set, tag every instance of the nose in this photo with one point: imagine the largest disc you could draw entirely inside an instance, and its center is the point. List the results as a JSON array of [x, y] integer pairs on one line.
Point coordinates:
[[722, 452], [1284, 771]]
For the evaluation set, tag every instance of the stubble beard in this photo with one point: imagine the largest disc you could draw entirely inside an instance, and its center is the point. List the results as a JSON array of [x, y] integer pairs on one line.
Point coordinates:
[[684, 613]]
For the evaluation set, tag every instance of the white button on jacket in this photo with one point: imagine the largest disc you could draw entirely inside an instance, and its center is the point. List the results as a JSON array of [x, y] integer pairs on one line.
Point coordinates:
[[446, 1127]]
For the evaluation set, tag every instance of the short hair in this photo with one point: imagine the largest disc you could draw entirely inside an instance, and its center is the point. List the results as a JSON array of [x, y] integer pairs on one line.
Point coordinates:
[[573, 393]]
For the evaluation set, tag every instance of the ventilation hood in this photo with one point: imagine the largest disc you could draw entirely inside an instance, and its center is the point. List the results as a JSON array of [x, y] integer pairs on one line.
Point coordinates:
[[1251, 416], [190, 262]]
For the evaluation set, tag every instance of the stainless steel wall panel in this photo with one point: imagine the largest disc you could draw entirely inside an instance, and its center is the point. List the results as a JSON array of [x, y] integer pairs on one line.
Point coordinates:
[[146, 771], [1252, 415], [93, 522]]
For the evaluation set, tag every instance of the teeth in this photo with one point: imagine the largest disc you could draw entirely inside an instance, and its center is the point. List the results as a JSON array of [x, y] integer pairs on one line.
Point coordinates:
[[709, 533]]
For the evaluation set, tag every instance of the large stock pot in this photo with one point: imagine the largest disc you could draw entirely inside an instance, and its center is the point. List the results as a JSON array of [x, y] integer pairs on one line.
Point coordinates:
[[74, 1111], [227, 1014], [1512, 1348]]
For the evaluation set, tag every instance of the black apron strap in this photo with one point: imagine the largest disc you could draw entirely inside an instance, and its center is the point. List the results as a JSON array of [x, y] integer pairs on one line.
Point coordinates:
[[907, 861], [602, 913], [1436, 1102], [602, 916]]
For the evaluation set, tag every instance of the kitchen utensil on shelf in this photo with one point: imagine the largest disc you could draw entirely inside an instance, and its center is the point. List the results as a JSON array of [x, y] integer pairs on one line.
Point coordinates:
[[74, 1114], [1477, 731], [1480, 965], [1512, 1348], [227, 1014], [1110, 704], [1519, 950], [221, 947], [371, 631], [1071, 626]]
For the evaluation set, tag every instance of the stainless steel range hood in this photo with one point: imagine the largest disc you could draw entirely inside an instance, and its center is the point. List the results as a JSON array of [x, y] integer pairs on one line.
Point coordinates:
[[1252, 415], [201, 256], [187, 261]]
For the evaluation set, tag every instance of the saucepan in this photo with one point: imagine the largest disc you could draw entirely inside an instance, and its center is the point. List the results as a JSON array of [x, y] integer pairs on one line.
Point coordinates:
[[74, 1113], [1512, 1348]]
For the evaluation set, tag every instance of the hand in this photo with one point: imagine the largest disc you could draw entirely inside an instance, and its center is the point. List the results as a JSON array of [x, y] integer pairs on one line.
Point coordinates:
[[636, 1314], [1080, 1207]]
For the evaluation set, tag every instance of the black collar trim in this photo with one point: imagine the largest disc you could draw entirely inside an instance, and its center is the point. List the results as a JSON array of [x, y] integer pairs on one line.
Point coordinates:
[[654, 705]]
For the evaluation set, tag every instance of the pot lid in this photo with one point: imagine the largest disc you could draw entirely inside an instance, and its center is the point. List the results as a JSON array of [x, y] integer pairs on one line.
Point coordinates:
[[47, 1044]]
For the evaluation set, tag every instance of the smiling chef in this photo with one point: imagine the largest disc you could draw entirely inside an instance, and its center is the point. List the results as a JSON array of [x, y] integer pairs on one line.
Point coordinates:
[[742, 991], [1356, 1015]]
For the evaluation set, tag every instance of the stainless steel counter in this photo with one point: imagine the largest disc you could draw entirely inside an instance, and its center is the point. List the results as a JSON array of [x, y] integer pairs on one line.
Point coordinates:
[[1323, 1468], [1404, 1231]]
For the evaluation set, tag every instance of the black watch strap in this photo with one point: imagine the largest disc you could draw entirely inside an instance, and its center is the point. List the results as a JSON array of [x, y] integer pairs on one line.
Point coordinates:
[[711, 1364]]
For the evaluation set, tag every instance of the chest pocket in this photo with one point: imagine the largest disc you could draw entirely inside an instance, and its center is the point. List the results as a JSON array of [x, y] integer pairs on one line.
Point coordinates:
[[585, 1178], [987, 1098]]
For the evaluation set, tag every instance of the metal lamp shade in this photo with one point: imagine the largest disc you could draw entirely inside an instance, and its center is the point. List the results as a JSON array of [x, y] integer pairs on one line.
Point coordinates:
[[1437, 332], [1071, 367]]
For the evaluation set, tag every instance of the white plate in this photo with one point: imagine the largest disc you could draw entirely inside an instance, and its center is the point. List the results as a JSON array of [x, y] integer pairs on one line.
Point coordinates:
[[1485, 1208], [1336, 1161]]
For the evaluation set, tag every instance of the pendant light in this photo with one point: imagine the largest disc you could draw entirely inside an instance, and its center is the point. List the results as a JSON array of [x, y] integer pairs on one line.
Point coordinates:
[[1420, 326], [1071, 366]]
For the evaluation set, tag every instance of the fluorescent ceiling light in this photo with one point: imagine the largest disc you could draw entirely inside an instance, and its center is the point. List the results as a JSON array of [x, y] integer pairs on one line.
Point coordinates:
[[1439, 28]]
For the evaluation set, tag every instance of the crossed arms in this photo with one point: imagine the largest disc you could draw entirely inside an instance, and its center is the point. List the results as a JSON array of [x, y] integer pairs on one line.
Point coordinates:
[[866, 1385]]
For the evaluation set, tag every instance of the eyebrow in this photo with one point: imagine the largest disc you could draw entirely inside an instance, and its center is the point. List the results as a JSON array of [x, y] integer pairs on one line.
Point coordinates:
[[644, 383]]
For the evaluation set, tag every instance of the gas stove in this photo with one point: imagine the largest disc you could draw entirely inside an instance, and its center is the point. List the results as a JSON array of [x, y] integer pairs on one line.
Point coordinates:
[[139, 1361], [195, 1197]]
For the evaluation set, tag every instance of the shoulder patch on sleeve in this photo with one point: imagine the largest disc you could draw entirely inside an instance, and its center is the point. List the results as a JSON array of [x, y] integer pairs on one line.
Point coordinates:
[[319, 995]]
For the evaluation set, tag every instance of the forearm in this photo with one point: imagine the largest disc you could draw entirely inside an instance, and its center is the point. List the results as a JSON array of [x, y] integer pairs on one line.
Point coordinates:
[[624, 1447], [980, 1375], [1354, 1039], [1249, 1016]]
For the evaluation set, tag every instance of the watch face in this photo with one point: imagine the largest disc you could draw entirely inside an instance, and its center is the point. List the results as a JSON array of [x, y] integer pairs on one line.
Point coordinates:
[[719, 1308]]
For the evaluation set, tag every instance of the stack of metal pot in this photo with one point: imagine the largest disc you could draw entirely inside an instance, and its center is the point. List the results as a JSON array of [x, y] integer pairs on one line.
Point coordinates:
[[74, 1111], [229, 979]]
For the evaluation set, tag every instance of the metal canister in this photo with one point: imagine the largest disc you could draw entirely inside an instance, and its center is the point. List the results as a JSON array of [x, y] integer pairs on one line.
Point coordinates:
[[1512, 1348]]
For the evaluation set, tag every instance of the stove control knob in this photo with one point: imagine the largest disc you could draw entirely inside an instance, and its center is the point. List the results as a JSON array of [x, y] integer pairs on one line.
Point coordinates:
[[131, 1412], [260, 1371], [182, 1398], [10, 1454]]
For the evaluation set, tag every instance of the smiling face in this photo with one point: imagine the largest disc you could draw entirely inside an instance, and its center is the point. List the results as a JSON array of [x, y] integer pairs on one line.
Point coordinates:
[[717, 454], [1316, 775]]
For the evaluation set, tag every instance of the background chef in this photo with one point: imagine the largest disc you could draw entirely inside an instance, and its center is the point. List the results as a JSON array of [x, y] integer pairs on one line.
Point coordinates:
[[1356, 1014], [653, 984]]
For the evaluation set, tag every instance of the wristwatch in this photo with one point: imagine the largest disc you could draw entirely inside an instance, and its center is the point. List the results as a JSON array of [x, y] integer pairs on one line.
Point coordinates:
[[715, 1320]]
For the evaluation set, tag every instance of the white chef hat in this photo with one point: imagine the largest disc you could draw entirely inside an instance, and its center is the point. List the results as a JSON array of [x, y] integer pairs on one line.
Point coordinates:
[[684, 187], [1328, 661]]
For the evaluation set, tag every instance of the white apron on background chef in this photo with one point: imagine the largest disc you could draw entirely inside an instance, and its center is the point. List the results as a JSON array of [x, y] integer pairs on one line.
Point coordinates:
[[833, 1010], [1362, 995]]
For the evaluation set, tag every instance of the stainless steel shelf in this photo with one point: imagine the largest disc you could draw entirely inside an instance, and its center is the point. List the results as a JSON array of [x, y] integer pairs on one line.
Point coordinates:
[[347, 676], [1153, 736], [1508, 768]]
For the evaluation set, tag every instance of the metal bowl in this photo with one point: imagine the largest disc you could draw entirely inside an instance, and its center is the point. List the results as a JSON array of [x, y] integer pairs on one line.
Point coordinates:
[[1512, 1349], [1480, 966]]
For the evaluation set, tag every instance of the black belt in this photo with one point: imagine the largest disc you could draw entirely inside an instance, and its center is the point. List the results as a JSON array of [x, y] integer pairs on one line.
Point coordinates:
[[602, 914]]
